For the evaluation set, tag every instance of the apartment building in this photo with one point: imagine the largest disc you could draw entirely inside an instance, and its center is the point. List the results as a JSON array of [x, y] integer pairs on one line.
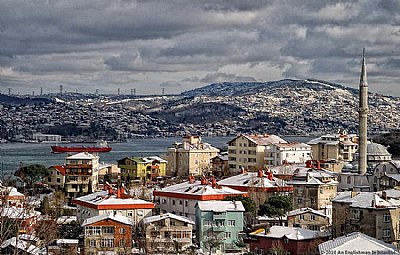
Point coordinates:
[[219, 221], [81, 174], [142, 168], [56, 180], [340, 146], [191, 157], [181, 198], [166, 232], [112, 201], [287, 153], [308, 218], [248, 151], [107, 234], [375, 214]]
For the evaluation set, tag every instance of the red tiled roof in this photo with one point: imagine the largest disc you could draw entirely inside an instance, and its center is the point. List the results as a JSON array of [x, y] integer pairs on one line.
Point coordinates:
[[60, 169]]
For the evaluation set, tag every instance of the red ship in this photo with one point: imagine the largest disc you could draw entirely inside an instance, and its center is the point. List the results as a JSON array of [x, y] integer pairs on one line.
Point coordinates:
[[100, 147]]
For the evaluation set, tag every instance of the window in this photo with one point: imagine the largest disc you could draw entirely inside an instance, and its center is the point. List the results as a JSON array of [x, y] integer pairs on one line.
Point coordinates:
[[122, 243], [93, 231], [312, 217], [173, 202], [122, 231], [107, 242], [207, 222], [228, 235], [92, 243], [299, 200], [301, 216], [386, 233], [231, 223], [348, 180], [130, 214], [173, 223], [108, 230], [386, 217], [186, 203], [180, 202], [163, 201], [58, 180]]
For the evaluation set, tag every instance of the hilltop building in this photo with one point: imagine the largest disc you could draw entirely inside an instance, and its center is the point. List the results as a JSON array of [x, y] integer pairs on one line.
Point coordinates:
[[191, 157], [142, 168]]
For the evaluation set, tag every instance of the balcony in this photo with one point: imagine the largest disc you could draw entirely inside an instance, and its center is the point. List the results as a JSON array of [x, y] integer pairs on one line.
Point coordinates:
[[78, 166], [219, 216], [219, 228]]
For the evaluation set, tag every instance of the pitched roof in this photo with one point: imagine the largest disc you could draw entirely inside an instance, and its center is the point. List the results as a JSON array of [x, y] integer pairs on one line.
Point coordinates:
[[82, 155], [265, 139], [106, 216], [305, 210], [21, 245], [251, 179], [356, 242], [166, 216], [365, 200], [221, 206], [290, 233], [60, 169]]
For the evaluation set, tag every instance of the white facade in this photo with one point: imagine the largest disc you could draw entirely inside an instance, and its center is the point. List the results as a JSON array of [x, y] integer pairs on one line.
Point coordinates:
[[278, 154]]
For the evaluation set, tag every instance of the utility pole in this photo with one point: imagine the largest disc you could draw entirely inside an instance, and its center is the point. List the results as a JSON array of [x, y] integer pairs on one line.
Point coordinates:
[[163, 91], [41, 91], [61, 89], [9, 91], [119, 91]]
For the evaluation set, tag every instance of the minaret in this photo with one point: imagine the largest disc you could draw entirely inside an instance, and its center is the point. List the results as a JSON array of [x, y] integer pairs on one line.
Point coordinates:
[[363, 115]]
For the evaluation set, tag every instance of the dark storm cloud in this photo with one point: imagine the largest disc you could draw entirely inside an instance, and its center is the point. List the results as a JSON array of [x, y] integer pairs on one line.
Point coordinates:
[[144, 44]]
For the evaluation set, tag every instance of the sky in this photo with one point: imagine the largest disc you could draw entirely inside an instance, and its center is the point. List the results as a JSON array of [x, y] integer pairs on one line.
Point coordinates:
[[179, 45]]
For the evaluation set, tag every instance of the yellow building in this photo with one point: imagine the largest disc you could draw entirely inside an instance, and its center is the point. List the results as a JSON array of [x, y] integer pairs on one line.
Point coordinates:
[[339, 146], [191, 157], [142, 168], [248, 151]]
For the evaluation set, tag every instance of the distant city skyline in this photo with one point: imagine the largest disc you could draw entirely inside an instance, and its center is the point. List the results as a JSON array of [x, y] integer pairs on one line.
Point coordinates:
[[156, 47]]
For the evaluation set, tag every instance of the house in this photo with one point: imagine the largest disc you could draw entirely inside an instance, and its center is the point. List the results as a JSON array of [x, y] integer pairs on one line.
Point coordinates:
[[375, 214], [81, 174], [56, 180], [111, 170], [313, 188], [297, 241], [10, 197], [112, 201], [108, 234], [142, 168], [63, 246], [219, 165], [26, 219], [219, 222], [167, 233], [248, 151], [308, 218], [259, 185], [181, 198], [17, 246], [191, 157], [385, 175], [356, 242]]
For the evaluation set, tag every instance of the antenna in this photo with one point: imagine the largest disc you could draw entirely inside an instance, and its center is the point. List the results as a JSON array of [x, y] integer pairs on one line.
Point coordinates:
[[119, 91], [61, 89], [9, 91], [131, 92]]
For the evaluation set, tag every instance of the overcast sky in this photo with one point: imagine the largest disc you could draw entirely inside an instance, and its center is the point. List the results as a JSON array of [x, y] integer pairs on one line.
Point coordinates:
[[181, 44]]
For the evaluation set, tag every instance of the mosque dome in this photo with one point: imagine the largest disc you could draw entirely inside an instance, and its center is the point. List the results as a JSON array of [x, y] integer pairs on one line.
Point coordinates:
[[376, 149]]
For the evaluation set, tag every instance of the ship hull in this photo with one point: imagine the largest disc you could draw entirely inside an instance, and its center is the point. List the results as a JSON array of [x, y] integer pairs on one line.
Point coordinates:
[[64, 149]]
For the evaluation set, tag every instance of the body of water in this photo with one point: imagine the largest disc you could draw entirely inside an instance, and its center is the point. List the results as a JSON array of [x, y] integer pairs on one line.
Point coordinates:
[[14, 155]]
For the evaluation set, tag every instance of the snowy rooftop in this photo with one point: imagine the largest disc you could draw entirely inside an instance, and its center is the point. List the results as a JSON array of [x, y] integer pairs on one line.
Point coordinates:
[[166, 216], [196, 188], [118, 218], [305, 210], [290, 233], [265, 139], [103, 198], [21, 245], [18, 213], [293, 145], [365, 200], [82, 155], [221, 206], [148, 160], [66, 219], [251, 179], [356, 241]]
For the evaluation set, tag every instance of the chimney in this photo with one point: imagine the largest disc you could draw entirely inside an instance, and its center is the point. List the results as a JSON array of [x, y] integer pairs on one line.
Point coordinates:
[[373, 204], [384, 195], [203, 181], [308, 164], [270, 176], [234, 204], [318, 165], [118, 192], [213, 183], [260, 173], [191, 179]]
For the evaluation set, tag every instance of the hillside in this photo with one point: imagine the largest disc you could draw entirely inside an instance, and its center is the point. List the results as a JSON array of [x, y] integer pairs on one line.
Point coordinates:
[[12, 100]]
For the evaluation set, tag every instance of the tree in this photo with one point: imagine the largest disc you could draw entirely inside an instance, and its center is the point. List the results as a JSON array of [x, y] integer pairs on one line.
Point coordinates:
[[275, 207], [32, 173], [249, 206], [71, 230], [212, 240], [44, 207]]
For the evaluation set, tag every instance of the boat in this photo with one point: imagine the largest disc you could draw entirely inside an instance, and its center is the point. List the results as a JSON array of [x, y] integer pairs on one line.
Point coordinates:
[[100, 146]]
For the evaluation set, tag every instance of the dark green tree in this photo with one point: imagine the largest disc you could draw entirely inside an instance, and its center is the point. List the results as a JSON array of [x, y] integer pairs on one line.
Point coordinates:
[[71, 230], [275, 207], [32, 173]]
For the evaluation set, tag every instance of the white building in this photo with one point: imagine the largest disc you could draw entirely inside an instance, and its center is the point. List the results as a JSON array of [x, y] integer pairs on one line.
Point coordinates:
[[280, 153]]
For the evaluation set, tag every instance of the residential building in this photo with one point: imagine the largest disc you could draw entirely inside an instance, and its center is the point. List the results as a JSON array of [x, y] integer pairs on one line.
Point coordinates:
[[314, 188], [248, 151], [112, 170], [142, 168], [356, 243], [191, 157], [372, 213], [108, 234], [340, 146], [259, 185], [46, 138], [297, 241], [26, 219], [17, 246], [63, 246], [10, 197], [308, 218], [181, 198], [81, 174], [166, 232], [282, 153], [385, 175], [112, 201], [56, 180], [219, 221], [219, 165]]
